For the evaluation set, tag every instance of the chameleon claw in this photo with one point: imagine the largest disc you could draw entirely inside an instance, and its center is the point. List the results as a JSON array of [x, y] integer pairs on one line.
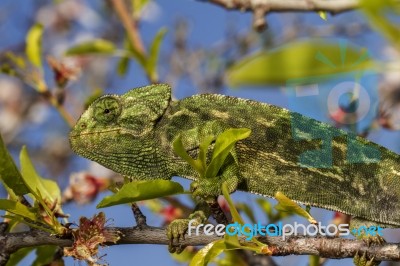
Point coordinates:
[[179, 248], [374, 240], [363, 261], [171, 248]]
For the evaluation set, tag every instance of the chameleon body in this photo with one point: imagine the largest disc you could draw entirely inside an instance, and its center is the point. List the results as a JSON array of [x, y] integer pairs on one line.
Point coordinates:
[[309, 161]]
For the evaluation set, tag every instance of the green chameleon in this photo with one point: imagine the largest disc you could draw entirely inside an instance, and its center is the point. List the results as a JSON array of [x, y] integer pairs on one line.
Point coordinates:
[[308, 161]]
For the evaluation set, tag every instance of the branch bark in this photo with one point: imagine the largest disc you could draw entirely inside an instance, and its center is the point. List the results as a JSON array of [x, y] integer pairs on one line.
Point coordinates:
[[335, 7], [261, 7], [130, 25], [335, 248]]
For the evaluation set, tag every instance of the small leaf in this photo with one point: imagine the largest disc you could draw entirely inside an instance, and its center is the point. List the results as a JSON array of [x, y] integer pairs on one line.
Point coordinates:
[[95, 94], [151, 65], [235, 214], [19, 255], [208, 253], [323, 15], [17, 60], [265, 205], [48, 189], [232, 242], [131, 52], [288, 205], [97, 46], [313, 260], [203, 149], [138, 5], [379, 14], [17, 208], [33, 48], [232, 258], [44, 255], [184, 257], [122, 66], [9, 173], [142, 190], [19, 219], [223, 145], [181, 151], [247, 210]]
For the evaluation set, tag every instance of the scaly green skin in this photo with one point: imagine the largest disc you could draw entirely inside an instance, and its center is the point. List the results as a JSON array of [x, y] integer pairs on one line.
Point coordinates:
[[132, 134]]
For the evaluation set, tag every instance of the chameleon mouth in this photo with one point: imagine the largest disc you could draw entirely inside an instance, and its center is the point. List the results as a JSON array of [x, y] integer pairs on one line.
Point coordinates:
[[77, 135]]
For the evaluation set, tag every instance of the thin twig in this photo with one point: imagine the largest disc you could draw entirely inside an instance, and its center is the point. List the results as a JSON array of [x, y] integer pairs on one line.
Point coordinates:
[[130, 25], [139, 217]]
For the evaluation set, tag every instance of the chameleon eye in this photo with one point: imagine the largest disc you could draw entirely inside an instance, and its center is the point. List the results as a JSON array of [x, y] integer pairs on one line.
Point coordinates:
[[107, 109]]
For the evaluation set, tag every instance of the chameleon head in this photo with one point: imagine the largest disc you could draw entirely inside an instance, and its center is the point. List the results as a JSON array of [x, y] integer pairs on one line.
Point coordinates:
[[98, 122], [114, 125]]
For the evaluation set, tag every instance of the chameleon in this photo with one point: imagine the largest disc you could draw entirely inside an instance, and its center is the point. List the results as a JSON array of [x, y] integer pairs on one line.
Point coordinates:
[[311, 162]]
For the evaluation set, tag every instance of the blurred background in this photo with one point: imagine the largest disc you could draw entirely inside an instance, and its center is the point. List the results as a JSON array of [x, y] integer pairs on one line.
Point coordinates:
[[57, 56]]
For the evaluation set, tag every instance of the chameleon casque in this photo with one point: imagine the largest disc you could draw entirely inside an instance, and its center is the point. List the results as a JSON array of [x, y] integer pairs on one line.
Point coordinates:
[[132, 134]]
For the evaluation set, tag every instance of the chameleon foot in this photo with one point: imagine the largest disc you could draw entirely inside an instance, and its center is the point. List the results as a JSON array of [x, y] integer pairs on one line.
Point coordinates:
[[209, 188], [377, 240], [176, 231], [205, 189], [363, 261]]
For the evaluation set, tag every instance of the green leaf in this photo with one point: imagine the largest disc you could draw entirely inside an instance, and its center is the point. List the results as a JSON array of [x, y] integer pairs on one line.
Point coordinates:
[[44, 255], [247, 210], [380, 14], [19, 255], [142, 190], [208, 253], [181, 151], [93, 96], [151, 65], [323, 15], [288, 205], [138, 5], [131, 52], [265, 205], [38, 225], [298, 60], [9, 174], [123, 65], [48, 189], [223, 145], [97, 46], [232, 242], [235, 214], [17, 60], [313, 260], [17, 208], [203, 149], [184, 257], [33, 47], [231, 257]]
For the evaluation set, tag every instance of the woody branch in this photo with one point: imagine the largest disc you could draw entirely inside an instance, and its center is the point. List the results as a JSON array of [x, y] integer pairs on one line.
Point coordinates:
[[299, 245], [260, 8]]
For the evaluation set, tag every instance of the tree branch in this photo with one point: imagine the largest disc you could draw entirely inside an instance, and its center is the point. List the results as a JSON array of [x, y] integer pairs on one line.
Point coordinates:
[[130, 25], [261, 7], [300, 245]]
